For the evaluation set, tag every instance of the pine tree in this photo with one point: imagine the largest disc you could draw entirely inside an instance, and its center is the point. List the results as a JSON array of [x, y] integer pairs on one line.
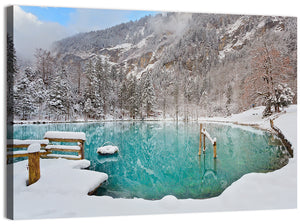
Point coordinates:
[[60, 96], [88, 108], [283, 97], [11, 70], [175, 94], [93, 91], [122, 96], [188, 94], [148, 95], [55, 101], [100, 89], [40, 94], [11, 56], [23, 101], [132, 104]]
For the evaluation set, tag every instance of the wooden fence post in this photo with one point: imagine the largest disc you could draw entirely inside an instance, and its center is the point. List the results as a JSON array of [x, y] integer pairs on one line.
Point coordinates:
[[215, 149], [82, 149], [34, 163], [200, 140], [204, 141], [271, 123]]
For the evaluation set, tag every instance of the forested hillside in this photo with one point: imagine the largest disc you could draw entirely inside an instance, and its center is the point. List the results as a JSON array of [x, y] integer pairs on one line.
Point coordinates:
[[172, 65]]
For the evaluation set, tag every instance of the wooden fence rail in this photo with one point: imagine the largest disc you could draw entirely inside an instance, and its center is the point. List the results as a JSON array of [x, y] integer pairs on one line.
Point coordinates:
[[72, 137], [19, 144], [212, 140], [44, 148]]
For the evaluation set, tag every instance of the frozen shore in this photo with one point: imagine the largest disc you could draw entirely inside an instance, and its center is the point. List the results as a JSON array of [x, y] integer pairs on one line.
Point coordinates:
[[68, 197]]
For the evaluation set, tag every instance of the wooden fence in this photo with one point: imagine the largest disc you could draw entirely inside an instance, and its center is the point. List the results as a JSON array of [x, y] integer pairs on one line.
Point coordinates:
[[213, 141], [45, 149]]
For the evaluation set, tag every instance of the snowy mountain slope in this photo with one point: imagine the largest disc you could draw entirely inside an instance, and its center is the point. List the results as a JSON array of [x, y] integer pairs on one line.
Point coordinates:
[[172, 38], [198, 63]]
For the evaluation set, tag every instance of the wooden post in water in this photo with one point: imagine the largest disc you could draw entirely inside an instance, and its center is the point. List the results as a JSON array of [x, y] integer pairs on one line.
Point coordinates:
[[271, 123], [33, 164], [200, 140], [215, 149], [203, 141]]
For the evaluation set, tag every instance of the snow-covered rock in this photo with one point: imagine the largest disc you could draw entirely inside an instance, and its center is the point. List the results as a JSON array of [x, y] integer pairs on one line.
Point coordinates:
[[107, 149]]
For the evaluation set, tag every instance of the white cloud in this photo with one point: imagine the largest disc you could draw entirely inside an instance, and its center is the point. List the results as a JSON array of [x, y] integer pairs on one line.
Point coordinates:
[[84, 20], [31, 33]]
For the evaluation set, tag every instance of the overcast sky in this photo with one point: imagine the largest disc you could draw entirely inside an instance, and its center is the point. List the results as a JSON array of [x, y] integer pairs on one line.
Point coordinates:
[[39, 27]]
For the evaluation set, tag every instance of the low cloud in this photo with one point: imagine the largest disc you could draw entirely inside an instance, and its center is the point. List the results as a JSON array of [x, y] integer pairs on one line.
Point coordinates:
[[176, 23], [30, 33]]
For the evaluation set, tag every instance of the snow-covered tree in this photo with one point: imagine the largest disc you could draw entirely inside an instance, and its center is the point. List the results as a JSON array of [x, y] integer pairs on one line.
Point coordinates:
[[60, 96], [270, 68], [93, 90], [23, 100], [101, 89], [88, 108], [283, 97], [40, 95], [148, 94], [122, 96], [11, 71], [45, 63], [132, 103]]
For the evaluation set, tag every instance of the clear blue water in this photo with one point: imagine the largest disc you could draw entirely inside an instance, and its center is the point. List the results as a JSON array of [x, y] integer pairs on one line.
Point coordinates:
[[161, 158]]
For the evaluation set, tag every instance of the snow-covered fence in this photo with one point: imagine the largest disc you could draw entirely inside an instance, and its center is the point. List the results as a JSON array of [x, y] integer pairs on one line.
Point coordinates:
[[212, 140], [59, 136], [19, 144]]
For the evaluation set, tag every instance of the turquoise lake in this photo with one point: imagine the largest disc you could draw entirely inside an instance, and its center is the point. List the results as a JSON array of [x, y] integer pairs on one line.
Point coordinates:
[[156, 159]]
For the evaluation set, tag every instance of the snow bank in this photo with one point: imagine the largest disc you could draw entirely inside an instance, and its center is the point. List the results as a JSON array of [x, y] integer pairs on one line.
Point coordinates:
[[61, 182], [108, 149], [65, 135], [286, 123], [274, 190], [251, 117]]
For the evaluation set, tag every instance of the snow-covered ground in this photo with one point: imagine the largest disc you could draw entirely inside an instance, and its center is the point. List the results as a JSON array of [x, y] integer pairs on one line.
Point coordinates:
[[63, 187]]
